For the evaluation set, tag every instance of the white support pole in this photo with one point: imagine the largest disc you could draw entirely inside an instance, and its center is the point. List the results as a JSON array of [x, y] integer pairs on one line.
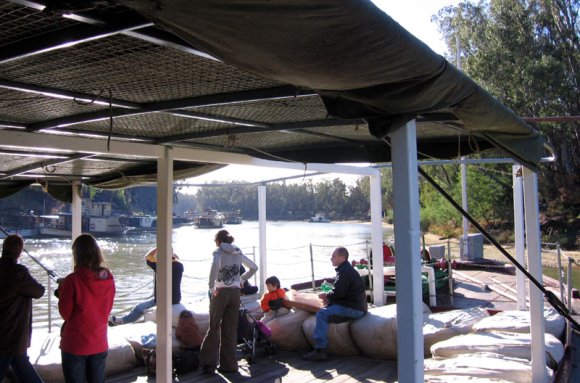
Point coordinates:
[[407, 259], [518, 195], [263, 269], [377, 240], [465, 248], [535, 268], [163, 275], [77, 210]]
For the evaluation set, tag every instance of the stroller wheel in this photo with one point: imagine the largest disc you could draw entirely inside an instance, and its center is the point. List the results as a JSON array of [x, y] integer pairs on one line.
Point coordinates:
[[270, 349]]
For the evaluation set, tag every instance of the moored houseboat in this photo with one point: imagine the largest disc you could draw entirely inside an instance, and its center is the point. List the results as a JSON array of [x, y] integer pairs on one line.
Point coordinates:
[[233, 217], [210, 219], [97, 219]]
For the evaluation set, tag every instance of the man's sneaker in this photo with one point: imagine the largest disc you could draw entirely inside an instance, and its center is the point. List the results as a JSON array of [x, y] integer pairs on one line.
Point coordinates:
[[114, 321], [316, 354]]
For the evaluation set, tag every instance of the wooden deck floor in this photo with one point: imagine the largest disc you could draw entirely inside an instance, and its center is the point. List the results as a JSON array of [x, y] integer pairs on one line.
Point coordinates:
[[288, 367]]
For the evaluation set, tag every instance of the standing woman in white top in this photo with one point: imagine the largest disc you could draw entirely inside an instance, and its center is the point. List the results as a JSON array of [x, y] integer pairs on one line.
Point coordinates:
[[224, 290]]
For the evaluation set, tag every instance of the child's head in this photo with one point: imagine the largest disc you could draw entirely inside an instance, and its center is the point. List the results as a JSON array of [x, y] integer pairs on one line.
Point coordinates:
[[186, 314], [272, 283]]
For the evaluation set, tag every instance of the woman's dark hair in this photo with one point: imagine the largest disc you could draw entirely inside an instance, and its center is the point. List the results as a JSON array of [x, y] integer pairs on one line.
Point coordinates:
[[86, 252], [12, 246], [224, 237], [274, 281]]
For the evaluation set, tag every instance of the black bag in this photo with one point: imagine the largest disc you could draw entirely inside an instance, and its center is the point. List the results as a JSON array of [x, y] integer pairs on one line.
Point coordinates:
[[186, 361], [150, 360]]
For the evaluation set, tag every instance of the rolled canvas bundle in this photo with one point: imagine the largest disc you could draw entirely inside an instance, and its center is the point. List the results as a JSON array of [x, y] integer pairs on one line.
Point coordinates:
[[375, 334], [492, 366], [440, 326], [340, 341], [45, 354], [509, 344], [519, 321], [287, 333]]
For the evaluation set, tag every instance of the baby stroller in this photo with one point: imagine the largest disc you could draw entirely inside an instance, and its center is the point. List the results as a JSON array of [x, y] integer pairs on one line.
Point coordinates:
[[251, 334]]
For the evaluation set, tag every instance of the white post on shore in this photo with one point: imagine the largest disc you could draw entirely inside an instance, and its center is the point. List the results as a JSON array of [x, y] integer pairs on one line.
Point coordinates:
[[535, 268], [263, 267], [164, 369], [408, 260]]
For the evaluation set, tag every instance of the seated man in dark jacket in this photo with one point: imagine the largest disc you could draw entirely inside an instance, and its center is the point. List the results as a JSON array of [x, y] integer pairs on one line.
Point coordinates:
[[347, 299]]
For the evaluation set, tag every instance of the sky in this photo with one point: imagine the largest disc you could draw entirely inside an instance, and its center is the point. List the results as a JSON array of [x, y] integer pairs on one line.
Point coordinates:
[[413, 15]]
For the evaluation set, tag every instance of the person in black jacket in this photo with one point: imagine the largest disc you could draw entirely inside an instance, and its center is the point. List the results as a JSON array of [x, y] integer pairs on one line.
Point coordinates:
[[17, 288], [347, 300]]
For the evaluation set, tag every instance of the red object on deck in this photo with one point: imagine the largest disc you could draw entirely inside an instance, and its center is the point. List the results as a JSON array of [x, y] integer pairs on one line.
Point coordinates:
[[388, 254]]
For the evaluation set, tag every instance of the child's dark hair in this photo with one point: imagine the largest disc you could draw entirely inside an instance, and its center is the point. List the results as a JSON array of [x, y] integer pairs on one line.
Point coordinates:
[[185, 314], [274, 281]]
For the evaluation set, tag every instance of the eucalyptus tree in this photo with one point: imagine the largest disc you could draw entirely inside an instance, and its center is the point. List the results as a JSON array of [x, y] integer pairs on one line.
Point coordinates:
[[527, 53]]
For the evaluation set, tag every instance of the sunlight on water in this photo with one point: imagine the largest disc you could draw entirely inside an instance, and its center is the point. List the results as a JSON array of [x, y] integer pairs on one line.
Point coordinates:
[[288, 253]]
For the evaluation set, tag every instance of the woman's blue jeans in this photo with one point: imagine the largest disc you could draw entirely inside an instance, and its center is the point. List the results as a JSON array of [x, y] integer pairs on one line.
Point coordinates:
[[84, 368], [323, 317], [21, 366]]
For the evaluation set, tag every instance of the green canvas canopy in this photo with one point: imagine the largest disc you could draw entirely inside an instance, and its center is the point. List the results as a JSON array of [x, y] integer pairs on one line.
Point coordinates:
[[362, 63]]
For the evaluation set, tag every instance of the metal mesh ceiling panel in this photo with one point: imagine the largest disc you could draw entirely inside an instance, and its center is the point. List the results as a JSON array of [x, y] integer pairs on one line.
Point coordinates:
[[134, 70], [258, 142], [88, 168], [352, 132], [18, 23], [279, 111], [151, 125], [29, 107], [11, 162]]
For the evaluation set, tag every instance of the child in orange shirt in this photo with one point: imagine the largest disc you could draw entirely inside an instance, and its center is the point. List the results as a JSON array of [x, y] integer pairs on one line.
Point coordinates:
[[273, 300]]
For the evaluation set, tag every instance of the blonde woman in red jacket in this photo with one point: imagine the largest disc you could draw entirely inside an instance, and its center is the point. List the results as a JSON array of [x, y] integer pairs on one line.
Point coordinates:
[[85, 302], [272, 302]]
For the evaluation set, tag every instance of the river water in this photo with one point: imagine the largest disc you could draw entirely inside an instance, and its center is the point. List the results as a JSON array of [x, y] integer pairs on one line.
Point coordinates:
[[288, 252]]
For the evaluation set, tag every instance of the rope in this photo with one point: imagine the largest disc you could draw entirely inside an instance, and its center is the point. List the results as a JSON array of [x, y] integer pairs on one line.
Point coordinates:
[[135, 290]]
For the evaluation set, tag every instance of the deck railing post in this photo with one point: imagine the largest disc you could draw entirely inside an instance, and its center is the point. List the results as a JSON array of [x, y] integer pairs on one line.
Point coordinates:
[[449, 271], [49, 303], [312, 267], [560, 272]]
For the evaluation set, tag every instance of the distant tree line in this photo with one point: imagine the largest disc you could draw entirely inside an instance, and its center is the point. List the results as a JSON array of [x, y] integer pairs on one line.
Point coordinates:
[[288, 201]]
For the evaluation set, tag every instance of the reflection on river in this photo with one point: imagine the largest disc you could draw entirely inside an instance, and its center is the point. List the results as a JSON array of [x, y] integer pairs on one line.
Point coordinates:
[[288, 253]]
